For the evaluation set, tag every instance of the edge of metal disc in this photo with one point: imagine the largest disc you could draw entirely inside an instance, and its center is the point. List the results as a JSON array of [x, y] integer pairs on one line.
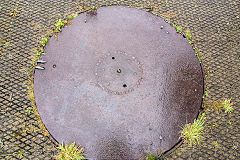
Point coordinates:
[[201, 109]]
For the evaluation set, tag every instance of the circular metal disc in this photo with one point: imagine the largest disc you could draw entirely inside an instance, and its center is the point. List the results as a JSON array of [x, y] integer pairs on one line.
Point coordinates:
[[120, 82]]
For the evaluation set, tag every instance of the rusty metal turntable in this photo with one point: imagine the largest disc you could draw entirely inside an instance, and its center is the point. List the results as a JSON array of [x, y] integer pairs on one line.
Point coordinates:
[[120, 82]]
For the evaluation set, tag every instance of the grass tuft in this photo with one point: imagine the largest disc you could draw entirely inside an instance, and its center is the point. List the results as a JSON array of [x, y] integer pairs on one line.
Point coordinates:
[[70, 18], [6, 44], [60, 23], [94, 8], [73, 16], [188, 34], [39, 51], [227, 106], [223, 105], [192, 133], [45, 40], [150, 156], [178, 29], [70, 152]]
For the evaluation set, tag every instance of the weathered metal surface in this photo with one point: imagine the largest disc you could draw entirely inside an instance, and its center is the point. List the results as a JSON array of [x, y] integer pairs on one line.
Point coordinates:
[[119, 84]]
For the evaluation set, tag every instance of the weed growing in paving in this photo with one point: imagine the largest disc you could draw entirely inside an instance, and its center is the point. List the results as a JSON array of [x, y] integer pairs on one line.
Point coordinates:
[[151, 156], [29, 83], [28, 111], [45, 40], [94, 8], [216, 145], [205, 94], [20, 154], [227, 106], [192, 133], [6, 44], [70, 152], [73, 16], [223, 105], [236, 145], [39, 52], [14, 12], [178, 29], [188, 34], [70, 17], [60, 23]]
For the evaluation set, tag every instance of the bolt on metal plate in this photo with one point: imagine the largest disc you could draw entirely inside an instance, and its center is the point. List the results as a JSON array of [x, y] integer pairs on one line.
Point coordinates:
[[120, 82]]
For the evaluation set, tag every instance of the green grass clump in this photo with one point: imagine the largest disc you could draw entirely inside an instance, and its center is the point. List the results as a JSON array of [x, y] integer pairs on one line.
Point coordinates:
[[188, 34], [222, 105], [39, 52], [192, 133], [20, 154], [227, 106], [196, 52], [178, 29], [60, 23], [45, 40], [70, 152], [70, 17], [6, 44], [28, 111], [151, 156], [73, 16], [94, 8]]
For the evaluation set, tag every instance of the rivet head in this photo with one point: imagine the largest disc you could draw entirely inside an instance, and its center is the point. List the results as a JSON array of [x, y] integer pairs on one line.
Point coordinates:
[[119, 70], [160, 137]]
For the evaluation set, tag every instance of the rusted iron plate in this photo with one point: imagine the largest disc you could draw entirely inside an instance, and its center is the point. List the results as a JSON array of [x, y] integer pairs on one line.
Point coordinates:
[[120, 82]]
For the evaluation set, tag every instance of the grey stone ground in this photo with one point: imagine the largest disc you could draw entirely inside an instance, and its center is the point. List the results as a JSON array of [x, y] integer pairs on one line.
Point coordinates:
[[216, 34]]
